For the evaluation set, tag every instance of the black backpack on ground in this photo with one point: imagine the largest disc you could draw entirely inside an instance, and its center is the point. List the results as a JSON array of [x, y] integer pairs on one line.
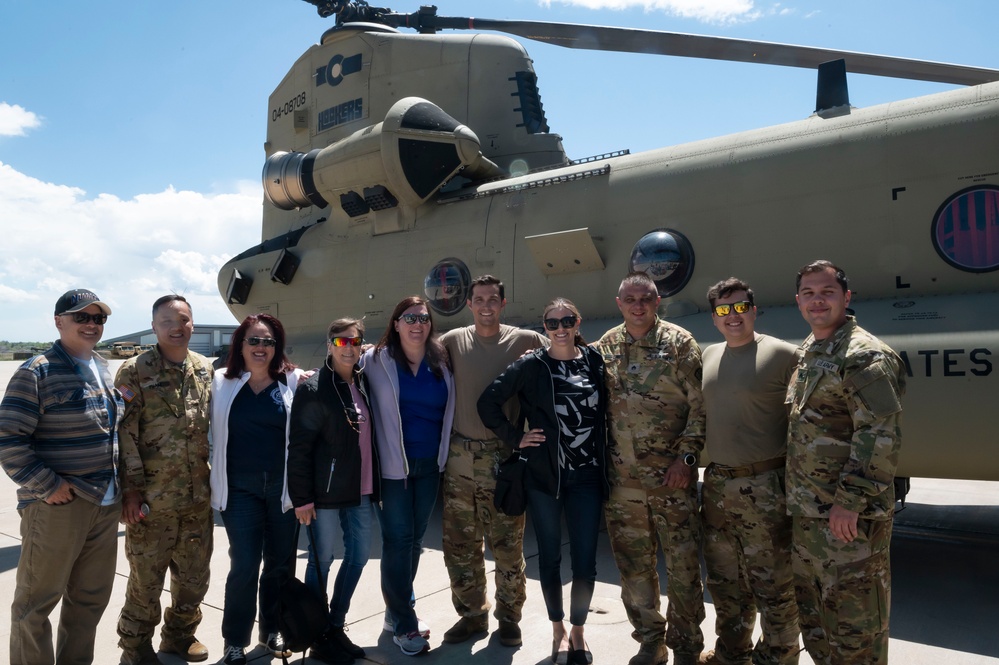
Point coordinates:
[[302, 615]]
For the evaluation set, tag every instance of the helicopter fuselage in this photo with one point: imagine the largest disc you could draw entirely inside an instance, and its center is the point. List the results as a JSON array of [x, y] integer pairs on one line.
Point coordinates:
[[903, 196]]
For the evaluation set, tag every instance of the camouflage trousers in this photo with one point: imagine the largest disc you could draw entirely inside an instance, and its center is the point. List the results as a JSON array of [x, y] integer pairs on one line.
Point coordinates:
[[843, 591], [636, 518], [180, 541], [747, 553], [470, 520]]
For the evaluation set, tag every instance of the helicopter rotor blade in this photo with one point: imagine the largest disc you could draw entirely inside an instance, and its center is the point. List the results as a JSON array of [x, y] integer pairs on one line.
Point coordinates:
[[628, 40]]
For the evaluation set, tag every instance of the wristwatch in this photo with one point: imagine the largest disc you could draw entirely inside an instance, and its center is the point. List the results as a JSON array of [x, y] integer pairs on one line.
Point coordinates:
[[690, 459]]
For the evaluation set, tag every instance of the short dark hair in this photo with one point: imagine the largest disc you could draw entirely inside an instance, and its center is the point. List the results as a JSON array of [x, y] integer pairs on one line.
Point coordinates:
[[340, 325], [280, 364], [821, 266], [173, 297], [728, 286], [487, 280], [638, 278], [436, 355]]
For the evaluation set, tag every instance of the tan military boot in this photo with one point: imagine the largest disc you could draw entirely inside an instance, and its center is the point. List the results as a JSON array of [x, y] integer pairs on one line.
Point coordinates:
[[650, 653], [466, 628]]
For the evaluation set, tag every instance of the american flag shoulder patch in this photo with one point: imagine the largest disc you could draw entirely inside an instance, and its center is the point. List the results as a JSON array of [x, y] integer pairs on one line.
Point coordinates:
[[126, 393]]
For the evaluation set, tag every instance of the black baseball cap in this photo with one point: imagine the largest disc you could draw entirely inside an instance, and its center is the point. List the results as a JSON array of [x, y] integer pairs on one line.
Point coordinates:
[[77, 299]]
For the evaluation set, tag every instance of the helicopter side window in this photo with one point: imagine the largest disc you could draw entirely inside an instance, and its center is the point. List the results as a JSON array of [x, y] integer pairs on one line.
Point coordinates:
[[446, 286], [667, 257], [966, 229]]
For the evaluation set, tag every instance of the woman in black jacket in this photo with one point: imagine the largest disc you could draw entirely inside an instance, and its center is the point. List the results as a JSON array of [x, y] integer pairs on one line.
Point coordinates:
[[333, 476], [562, 396]]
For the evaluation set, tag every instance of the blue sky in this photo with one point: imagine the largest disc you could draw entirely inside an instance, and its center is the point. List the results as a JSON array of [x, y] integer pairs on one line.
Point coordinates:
[[131, 133]]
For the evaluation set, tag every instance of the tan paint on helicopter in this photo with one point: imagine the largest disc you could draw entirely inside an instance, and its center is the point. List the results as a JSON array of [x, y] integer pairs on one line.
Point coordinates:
[[757, 204]]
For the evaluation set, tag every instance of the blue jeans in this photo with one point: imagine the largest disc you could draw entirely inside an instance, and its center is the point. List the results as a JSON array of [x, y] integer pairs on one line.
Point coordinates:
[[581, 499], [356, 526], [404, 515], [257, 529]]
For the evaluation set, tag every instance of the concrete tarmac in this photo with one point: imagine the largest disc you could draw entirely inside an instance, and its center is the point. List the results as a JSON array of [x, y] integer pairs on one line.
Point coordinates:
[[945, 604]]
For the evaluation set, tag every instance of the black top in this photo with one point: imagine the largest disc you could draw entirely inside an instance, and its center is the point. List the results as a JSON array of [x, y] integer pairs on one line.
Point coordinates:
[[324, 455], [532, 380], [256, 431]]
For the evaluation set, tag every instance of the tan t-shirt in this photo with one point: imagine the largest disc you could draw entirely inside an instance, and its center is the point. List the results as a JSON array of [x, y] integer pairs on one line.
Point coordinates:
[[477, 361], [744, 391]]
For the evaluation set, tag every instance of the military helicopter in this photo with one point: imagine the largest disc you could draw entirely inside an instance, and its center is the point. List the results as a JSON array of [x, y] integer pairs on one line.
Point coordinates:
[[399, 163]]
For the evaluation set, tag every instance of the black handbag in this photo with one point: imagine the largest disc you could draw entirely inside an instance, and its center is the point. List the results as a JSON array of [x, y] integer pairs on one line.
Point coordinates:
[[303, 616], [511, 495]]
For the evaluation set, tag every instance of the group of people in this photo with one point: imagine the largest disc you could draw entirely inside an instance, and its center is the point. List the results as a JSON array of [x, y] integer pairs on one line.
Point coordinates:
[[794, 519]]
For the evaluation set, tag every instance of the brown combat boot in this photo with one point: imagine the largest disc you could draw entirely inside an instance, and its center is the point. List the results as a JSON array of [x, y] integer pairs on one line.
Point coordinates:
[[142, 655], [650, 653], [686, 658], [509, 634], [466, 628]]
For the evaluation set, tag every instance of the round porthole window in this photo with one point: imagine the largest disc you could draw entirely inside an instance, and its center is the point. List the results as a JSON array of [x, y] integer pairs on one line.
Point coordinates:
[[667, 257], [446, 286], [965, 229]]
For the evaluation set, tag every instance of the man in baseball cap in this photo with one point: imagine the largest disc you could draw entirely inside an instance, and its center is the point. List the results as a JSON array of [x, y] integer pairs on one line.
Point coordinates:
[[78, 300], [69, 498]]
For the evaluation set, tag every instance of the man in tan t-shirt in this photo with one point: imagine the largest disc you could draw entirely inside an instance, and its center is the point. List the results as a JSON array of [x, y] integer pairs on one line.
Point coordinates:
[[747, 533], [479, 353]]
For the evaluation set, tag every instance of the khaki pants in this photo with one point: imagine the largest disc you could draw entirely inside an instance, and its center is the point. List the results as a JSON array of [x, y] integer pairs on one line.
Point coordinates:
[[68, 553]]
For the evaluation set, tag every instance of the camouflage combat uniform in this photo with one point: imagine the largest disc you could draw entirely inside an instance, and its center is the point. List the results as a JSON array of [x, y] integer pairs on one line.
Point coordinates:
[[747, 531], [470, 479], [843, 444], [656, 414], [164, 444]]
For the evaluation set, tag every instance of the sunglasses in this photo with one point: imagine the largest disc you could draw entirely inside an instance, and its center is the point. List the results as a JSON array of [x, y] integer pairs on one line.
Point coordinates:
[[740, 307], [346, 341], [413, 318], [566, 321], [84, 317], [256, 341]]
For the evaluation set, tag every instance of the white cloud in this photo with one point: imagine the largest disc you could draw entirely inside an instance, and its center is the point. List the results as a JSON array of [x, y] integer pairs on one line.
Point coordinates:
[[128, 251], [708, 11], [14, 120]]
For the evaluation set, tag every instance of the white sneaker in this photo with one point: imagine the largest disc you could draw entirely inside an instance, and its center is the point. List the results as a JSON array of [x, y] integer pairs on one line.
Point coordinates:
[[388, 625], [412, 644]]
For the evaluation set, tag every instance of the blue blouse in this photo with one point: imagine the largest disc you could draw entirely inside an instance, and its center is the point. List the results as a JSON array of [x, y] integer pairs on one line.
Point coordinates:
[[422, 401]]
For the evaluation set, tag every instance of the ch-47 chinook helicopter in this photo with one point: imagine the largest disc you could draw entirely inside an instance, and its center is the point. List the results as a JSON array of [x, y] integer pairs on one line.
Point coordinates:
[[400, 163]]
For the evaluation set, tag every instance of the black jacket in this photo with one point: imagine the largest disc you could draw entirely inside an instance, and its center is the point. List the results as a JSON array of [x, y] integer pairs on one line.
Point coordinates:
[[530, 379], [324, 458]]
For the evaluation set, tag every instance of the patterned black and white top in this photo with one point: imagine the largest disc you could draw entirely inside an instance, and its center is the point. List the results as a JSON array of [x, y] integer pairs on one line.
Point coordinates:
[[576, 401]]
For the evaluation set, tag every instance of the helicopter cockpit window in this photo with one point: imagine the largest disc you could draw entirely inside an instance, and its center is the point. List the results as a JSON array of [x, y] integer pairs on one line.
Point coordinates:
[[446, 286], [668, 258], [966, 229]]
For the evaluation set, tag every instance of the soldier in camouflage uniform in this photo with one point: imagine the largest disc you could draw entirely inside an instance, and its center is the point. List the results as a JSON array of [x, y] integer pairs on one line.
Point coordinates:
[[164, 442], [843, 444], [747, 532], [656, 412], [479, 353]]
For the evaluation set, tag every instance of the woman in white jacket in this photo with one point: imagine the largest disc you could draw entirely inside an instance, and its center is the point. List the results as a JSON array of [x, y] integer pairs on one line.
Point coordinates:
[[251, 407]]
